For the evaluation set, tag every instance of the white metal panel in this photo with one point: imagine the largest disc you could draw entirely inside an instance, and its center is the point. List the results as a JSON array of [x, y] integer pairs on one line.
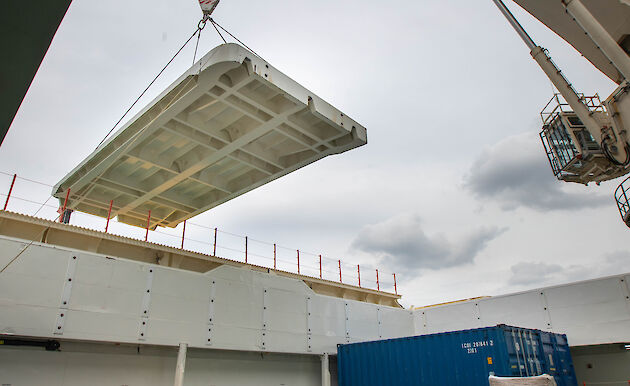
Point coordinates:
[[362, 321], [11, 250], [613, 15], [449, 318], [109, 297], [228, 125], [590, 312], [523, 310], [100, 365], [396, 324]]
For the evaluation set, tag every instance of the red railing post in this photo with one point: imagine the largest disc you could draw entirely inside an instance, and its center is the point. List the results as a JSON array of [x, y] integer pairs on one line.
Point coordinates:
[[146, 236], [183, 234], [274, 255], [214, 249], [10, 190], [359, 274], [340, 281], [109, 214], [298, 256], [245, 249], [395, 289], [65, 203], [378, 286], [320, 267]]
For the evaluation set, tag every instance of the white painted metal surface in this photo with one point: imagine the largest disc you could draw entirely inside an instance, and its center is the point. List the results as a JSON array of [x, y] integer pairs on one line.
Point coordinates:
[[109, 302], [589, 312], [81, 364], [613, 15], [228, 125]]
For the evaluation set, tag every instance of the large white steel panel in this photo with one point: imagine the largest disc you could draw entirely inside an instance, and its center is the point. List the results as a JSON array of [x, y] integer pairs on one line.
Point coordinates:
[[100, 326], [97, 270], [590, 292], [451, 317], [193, 333], [283, 341], [104, 299], [590, 312], [101, 365], [231, 337], [228, 125], [328, 326], [363, 321], [106, 303], [613, 15], [287, 321], [171, 308], [181, 284], [38, 263], [26, 320], [286, 301], [9, 249], [26, 289], [396, 324], [248, 316], [523, 310]]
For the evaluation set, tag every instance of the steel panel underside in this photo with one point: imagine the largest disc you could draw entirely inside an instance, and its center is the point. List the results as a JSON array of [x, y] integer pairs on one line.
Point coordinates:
[[228, 125], [613, 15]]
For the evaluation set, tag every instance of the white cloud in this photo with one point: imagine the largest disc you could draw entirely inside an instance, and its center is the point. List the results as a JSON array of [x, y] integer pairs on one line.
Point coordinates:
[[402, 243], [515, 172]]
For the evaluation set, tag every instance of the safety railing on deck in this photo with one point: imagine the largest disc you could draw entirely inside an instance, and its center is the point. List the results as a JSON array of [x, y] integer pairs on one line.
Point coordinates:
[[621, 197], [24, 195], [557, 104]]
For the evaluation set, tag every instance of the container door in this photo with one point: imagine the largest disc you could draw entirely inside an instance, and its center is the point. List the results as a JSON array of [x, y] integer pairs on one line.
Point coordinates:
[[515, 352], [557, 359]]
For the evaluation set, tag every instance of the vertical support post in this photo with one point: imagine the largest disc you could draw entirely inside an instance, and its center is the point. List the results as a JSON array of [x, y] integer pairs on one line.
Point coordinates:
[[183, 234], [320, 267], [395, 289], [181, 365], [359, 274], [109, 214], [298, 257], [146, 236], [325, 371], [214, 249], [274, 255], [340, 281], [378, 286], [65, 204], [10, 190], [245, 249]]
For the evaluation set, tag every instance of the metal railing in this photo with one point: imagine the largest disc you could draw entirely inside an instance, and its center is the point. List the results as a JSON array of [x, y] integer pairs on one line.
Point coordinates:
[[621, 197], [24, 196], [557, 104]]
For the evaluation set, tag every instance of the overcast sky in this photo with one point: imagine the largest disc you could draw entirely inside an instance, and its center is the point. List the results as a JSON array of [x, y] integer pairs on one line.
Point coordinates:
[[453, 191]]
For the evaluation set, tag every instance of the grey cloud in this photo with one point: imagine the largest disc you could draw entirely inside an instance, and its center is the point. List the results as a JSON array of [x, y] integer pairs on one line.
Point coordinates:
[[533, 273], [402, 243], [515, 172], [538, 273]]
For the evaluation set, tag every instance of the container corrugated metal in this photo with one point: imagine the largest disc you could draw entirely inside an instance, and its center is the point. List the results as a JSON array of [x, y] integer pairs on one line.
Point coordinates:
[[464, 357]]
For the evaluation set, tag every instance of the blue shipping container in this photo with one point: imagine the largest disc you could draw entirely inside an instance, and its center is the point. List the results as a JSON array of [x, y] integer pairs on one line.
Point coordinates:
[[459, 358]]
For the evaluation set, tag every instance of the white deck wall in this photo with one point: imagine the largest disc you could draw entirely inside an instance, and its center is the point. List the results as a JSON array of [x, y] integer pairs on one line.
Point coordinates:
[[589, 312], [64, 294], [243, 327]]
